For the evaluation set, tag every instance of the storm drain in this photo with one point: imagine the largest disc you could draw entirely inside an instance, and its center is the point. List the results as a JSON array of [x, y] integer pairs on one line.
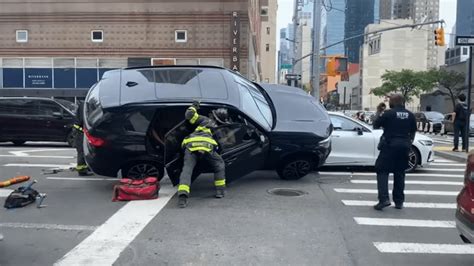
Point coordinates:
[[287, 192]]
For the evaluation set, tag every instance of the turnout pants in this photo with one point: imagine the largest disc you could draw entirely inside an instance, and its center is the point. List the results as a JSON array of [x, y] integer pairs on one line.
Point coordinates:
[[190, 161], [81, 162], [398, 186], [459, 129]]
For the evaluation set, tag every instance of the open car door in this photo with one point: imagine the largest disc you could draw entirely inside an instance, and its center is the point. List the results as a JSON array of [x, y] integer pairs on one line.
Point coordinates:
[[243, 148]]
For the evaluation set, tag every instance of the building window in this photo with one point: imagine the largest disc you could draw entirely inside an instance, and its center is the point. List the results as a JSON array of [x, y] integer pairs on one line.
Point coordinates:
[[374, 46], [264, 11], [267, 47], [464, 51], [268, 30], [21, 36], [97, 36], [181, 36]]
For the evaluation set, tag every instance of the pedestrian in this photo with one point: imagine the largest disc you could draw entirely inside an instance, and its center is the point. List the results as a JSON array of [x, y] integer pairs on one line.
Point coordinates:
[[81, 166], [378, 113], [399, 129], [459, 119], [200, 146]]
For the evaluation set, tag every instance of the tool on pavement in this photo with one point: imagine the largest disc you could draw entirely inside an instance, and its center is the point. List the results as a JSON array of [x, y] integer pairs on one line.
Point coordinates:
[[53, 171], [14, 180], [24, 196]]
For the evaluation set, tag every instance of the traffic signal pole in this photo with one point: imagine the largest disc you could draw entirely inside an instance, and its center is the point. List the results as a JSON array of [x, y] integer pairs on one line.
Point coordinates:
[[316, 49], [469, 92]]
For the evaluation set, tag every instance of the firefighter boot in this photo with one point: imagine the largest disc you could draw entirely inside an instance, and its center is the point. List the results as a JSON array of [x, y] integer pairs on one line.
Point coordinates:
[[183, 201], [220, 192]]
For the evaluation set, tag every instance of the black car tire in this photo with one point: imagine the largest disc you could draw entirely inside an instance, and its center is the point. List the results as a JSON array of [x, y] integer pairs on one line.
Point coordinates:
[[413, 160], [295, 168], [143, 169], [18, 142], [71, 139]]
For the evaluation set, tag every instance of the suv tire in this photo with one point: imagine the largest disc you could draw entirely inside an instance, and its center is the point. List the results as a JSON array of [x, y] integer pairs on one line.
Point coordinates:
[[143, 169], [295, 168]]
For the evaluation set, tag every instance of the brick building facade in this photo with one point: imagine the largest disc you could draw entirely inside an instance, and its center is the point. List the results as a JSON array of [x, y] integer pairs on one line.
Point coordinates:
[[60, 48]]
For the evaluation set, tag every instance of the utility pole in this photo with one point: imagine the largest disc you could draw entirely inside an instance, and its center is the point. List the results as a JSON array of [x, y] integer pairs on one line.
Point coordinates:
[[316, 48], [469, 92]]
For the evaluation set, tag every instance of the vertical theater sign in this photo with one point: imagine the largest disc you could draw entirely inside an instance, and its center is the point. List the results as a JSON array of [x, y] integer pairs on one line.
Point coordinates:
[[235, 60]]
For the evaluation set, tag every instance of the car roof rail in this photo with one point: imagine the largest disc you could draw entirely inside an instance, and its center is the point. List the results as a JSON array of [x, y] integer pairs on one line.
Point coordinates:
[[176, 66]]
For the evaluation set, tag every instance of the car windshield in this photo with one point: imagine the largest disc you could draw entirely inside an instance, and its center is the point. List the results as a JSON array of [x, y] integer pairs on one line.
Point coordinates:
[[434, 116]]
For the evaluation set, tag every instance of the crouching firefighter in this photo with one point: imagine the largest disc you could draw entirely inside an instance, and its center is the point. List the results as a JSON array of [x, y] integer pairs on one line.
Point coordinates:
[[200, 146], [81, 166]]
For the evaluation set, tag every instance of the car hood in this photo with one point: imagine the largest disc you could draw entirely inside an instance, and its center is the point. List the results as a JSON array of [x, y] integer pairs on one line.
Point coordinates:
[[296, 111], [378, 133]]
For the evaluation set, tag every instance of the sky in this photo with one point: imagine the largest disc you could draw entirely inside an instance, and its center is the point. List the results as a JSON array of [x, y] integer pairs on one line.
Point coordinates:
[[285, 12]]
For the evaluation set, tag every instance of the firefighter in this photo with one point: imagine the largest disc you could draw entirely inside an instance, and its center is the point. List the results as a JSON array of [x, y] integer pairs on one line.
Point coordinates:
[[200, 146], [81, 166]]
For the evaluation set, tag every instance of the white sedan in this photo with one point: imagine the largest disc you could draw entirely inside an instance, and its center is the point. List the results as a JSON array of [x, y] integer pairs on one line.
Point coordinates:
[[355, 144]]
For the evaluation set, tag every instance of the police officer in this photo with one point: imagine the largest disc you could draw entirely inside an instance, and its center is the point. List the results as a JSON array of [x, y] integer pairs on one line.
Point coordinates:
[[399, 129], [200, 145], [81, 166]]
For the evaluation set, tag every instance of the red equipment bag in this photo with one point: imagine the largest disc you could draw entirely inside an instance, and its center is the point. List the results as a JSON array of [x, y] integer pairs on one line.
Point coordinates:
[[131, 189]]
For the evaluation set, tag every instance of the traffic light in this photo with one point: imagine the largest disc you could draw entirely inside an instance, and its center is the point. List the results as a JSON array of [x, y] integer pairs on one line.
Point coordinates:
[[439, 37], [336, 65]]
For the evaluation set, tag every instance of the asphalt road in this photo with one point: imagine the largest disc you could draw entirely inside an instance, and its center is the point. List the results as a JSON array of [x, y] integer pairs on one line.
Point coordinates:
[[332, 224]]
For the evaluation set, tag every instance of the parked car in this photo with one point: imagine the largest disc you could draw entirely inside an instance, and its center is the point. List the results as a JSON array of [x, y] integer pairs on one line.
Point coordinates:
[[431, 117], [448, 124], [35, 119], [465, 205], [355, 144], [134, 123]]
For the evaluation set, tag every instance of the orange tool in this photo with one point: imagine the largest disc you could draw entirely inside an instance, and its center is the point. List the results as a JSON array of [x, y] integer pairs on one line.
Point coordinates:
[[14, 180]]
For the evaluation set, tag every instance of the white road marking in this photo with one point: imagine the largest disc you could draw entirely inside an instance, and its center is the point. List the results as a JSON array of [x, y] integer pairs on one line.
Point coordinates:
[[5, 192], [60, 166], [404, 222], [407, 192], [397, 247], [105, 244], [442, 169], [25, 152], [427, 205], [442, 160], [81, 178], [374, 174], [37, 156], [446, 164], [412, 182], [49, 226]]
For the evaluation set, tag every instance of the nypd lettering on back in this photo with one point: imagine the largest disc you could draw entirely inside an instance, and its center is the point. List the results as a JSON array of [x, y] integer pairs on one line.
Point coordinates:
[[402, 115]]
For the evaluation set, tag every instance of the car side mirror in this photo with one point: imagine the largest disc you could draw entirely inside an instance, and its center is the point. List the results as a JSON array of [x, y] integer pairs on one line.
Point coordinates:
[[58, 115], [359, 130]]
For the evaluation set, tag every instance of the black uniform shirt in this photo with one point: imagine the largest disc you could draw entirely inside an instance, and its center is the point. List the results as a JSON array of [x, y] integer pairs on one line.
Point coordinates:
[[397, 123]]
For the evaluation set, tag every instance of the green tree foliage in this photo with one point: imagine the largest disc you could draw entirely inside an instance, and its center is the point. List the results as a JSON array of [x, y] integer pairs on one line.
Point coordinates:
[[407, 82], [452, 81]]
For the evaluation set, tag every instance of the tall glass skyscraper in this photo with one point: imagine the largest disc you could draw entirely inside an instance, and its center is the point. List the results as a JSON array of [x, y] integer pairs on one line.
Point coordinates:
[[335, 24], [465, 18], [359, 13]]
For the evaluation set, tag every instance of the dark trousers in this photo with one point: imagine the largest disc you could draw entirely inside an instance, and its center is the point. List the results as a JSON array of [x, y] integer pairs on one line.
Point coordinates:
[[190, 161], [398, 186], [459, 128]]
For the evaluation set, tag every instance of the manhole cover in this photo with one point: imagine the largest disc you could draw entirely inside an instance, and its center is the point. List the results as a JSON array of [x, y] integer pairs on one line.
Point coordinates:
[[287, 192]]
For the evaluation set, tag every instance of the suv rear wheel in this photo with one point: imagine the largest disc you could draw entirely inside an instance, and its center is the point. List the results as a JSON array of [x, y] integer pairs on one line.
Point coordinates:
[[141, 170], [295, 167]]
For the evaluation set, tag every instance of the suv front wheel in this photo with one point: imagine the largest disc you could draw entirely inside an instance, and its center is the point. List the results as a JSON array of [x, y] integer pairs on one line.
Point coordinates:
[[142, 169], [295, 167]]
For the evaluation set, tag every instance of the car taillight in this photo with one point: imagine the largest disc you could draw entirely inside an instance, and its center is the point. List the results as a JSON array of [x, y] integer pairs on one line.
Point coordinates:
[[94, 141]]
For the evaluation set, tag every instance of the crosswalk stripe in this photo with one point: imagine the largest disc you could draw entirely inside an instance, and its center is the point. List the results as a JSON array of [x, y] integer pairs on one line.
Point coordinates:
[[374, 174], [404, 222], [407, 192], [442, 160], [427, 205], [398, 247], [81, 178], [447, 164], [443, 169], [412, 182]]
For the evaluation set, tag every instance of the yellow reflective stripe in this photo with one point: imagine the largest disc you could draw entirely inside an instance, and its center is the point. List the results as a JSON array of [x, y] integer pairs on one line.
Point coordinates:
[[194, 118], [77, 127], [219, 183], [199, 138], [204, 129], [81, 167], [183, 188], [200, 149]]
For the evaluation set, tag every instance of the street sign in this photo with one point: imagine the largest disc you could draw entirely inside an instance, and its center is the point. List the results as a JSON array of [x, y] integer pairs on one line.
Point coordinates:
[[465, 40], [293, 76], [286, 66]]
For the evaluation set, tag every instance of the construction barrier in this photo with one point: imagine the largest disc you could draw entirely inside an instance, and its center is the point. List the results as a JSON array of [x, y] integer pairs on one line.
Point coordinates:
[[431, 131], [420, 126], [443, 130], [426, 128]]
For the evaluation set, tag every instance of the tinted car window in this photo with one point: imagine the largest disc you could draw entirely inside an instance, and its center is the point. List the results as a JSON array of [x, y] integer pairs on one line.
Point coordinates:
[[49, 107], [18, 107], [341, 123], [250, 107], [93, 106], [138, 121], [213, 85], [176, 83]]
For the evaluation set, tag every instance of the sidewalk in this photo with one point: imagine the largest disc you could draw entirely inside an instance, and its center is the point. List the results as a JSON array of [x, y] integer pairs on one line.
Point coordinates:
[[446, 152]]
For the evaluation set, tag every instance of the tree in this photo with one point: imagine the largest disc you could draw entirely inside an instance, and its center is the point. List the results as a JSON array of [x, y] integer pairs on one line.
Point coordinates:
[[407, 82], [452, 81]]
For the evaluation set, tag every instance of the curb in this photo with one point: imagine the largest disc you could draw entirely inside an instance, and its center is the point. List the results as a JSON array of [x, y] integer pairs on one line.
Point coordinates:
[[450, 156]]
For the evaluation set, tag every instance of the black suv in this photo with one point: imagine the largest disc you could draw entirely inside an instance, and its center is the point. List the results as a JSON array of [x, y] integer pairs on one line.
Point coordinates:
[[134, 122], [36, 119]]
